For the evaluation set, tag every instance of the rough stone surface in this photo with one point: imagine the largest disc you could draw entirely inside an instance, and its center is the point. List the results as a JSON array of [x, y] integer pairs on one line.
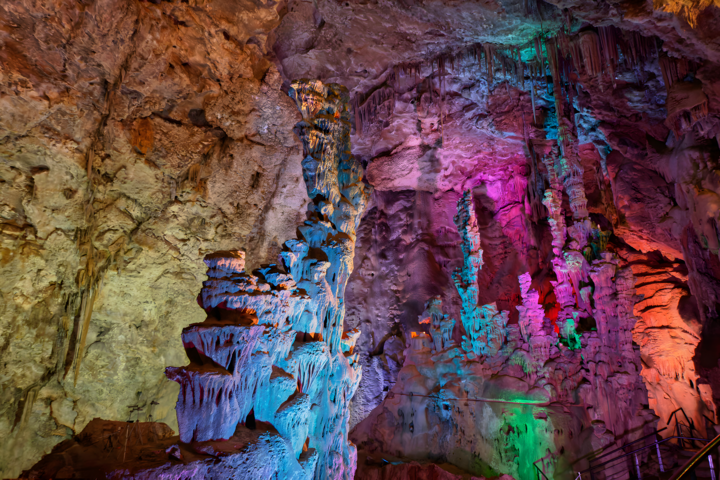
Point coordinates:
[[185, 156], [106, 449]]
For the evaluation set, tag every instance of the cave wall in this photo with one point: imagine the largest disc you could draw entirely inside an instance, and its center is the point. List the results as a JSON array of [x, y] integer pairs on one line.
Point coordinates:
[[136, 138]]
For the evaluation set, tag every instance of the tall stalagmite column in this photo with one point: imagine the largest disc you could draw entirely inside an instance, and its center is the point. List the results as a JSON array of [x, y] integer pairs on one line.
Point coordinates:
[[273, 342], [570, 266], [485, 326], [334, 183]]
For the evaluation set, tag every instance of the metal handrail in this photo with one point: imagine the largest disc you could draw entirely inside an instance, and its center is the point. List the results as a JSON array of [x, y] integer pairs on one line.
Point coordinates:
[[678, 431], [712, 422], [645, 447], [692, 463], [690, 425], [655, 444], [623, 447]]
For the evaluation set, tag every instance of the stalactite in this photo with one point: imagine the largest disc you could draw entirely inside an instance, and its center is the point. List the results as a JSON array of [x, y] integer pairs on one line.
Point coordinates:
[[570, 91], [504, 69], [533, 195], [532, 100], [673, 70], [367, 110], [520, 70], [564, 41], [554, 61], [576, 54], [538, 51], [358, 121], [568, 20], [489, 60], [637, 48], [87, 309], [609, 42], [591, 55]]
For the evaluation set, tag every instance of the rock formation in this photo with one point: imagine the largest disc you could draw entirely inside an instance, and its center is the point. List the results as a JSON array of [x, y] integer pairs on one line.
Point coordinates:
[[273, 348], [519, 378], [287, 362], [124, 161]]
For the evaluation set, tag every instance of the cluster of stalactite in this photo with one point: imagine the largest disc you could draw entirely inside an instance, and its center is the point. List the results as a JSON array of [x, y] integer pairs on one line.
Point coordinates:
[[368, 108], [591, 338], [600, 53], [568, 58], [488, 58]]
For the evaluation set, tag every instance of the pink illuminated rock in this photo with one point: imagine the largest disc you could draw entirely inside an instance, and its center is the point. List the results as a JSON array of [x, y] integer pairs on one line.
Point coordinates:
[[605, 312], [531, 312], [578, 269], [553, 202]]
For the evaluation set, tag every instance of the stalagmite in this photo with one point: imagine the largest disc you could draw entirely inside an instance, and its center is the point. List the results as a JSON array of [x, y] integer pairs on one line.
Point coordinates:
[[243, 357], [484, 325], [602, 273], [531, 312], [553, 202], [441, 326]]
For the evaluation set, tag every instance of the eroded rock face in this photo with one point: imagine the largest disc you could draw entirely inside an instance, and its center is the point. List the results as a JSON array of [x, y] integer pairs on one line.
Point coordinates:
[[136, 138]]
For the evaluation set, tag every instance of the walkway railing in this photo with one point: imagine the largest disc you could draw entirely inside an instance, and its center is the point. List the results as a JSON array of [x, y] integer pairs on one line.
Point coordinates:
[[634, 453], [692, 435], [686, 471]]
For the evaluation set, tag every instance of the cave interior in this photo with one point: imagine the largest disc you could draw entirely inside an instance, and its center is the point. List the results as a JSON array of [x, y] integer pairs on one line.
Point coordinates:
[[370, 239]]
